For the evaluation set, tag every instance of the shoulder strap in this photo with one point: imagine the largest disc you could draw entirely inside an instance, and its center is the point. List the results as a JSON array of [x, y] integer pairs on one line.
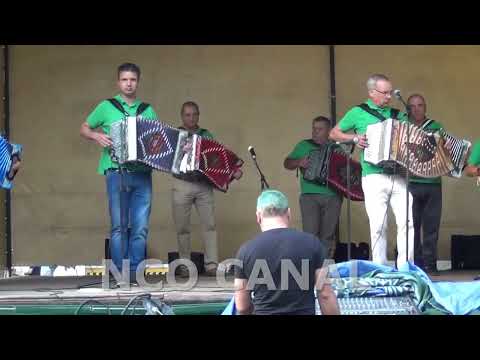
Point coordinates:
[[142, 107], [371, 111], [202, 131], [311, 142], [119, 106], [394, 113], [426, 124]]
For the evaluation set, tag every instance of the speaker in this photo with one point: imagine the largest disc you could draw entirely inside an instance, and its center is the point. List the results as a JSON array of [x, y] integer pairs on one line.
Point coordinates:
[[357, 252], [196, 257], [465, 252]]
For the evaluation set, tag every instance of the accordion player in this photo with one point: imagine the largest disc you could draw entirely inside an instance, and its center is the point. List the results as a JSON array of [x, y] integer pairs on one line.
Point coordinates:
[[430, 154], [172, 150], [9, 156], [327, 165]]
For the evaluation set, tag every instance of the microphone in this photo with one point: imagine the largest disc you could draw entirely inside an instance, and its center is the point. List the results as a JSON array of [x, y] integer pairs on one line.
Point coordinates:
[[397, 94], [252, 152]]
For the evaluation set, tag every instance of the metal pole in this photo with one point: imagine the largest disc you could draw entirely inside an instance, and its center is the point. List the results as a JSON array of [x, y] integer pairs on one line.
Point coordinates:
[[6, 116], [333, 112]]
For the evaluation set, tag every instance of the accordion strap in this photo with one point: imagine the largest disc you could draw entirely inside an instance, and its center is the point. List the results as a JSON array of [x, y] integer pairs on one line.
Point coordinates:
[[141, 108], [393, 114]]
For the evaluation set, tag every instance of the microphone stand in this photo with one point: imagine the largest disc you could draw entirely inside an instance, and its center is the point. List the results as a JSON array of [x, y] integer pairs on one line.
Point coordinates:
[[123, 210], [407, 178], [349, 217], [263, 182]]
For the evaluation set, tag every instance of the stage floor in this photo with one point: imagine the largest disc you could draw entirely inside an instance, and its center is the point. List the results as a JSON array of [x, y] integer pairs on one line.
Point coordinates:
[[69, 289]]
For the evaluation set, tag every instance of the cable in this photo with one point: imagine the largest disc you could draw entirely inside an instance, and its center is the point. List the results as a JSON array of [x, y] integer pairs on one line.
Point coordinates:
[[92, 301], [146, 295]]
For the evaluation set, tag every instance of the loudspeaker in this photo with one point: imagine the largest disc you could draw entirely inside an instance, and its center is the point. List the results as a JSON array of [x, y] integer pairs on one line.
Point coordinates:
[[357, 252], [465, 252], [196, 257]]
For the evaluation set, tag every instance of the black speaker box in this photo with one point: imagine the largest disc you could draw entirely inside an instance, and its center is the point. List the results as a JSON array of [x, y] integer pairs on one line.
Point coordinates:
[[357, 252], [465, 252], [197, 258]]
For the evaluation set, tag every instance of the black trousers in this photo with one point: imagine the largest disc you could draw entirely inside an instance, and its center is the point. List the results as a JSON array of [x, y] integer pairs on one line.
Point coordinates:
[[427, 211]]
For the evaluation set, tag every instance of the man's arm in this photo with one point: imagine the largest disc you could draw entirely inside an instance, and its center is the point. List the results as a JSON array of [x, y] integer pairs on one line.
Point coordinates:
[[292, 164], [472, 171], [336, 134], [473, 162], [326, 298], [243, 298], [93, 135]]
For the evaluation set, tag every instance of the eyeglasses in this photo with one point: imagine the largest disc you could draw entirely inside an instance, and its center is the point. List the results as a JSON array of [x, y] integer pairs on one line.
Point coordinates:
[[384, 92]]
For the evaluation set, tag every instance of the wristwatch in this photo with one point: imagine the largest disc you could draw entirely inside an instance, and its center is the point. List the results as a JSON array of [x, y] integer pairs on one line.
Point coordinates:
[[355, 139]]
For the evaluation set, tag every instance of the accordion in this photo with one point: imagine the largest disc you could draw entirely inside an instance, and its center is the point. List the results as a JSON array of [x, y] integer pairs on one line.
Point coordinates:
[[172, 150], [327, 165], [9, 155], [430, 154]]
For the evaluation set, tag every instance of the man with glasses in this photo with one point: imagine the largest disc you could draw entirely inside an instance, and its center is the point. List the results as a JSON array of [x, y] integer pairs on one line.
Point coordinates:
[[381, 186]]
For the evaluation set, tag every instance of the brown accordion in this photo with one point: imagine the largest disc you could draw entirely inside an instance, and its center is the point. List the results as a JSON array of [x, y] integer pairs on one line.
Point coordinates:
[[327, 165], [431, 154]]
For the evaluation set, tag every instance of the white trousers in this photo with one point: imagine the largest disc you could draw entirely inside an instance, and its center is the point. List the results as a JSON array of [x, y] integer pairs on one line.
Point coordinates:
[[381, 190]]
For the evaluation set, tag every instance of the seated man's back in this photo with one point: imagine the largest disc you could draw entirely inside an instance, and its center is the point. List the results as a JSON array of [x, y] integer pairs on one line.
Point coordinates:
[[279, 265]]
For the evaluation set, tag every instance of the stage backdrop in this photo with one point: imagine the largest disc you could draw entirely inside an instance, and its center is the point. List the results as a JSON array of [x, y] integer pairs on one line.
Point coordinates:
[[264, 96]]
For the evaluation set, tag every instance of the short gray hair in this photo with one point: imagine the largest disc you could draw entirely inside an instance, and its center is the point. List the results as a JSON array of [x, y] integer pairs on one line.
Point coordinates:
[[372, 80]]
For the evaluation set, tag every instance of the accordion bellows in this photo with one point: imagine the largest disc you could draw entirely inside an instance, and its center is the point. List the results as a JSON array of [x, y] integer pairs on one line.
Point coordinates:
[[430, 155], [172, 150]]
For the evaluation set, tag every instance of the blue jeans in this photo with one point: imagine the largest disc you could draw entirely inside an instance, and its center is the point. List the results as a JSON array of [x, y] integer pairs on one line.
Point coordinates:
[[137, 200]]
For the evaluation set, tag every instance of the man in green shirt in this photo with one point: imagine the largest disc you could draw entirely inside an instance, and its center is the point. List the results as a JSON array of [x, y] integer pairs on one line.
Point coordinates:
[[195, 189], [381, 187], [137, 177], [427, 196], [320, 205]]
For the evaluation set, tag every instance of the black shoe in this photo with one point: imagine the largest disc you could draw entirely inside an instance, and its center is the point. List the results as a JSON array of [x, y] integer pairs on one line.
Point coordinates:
[[133, 278]]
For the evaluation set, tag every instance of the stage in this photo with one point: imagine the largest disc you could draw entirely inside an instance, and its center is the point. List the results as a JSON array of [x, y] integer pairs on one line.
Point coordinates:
[[64, 295]]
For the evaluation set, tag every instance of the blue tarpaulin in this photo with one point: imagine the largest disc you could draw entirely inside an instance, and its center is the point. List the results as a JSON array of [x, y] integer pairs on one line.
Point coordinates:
[[456, 298]]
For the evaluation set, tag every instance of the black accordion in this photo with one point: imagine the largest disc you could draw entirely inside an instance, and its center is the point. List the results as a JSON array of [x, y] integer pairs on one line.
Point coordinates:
[[327, 165], [318, 161]]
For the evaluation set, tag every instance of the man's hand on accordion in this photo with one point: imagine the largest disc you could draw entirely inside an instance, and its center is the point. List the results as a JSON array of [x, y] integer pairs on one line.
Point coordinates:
[[102, 139], [362, 141], [237, 174], [303, 163]]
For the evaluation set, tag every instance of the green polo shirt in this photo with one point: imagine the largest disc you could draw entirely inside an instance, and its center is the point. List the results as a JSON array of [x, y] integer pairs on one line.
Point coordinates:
[[474, 158], [103, 116], [301, 150], [357, 119], [433, 126]]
